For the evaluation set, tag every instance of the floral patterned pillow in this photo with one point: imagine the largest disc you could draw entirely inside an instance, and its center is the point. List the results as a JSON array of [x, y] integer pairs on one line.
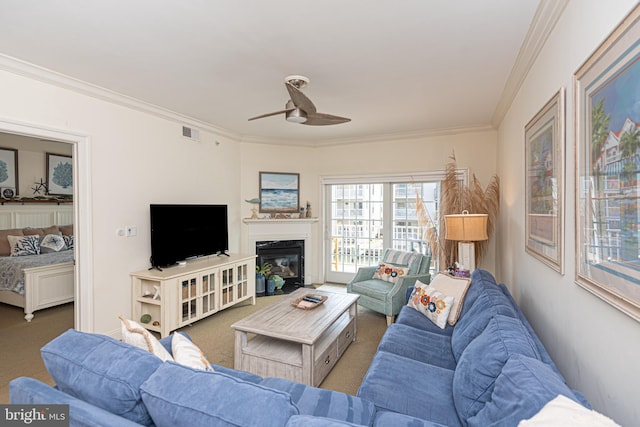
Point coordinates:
[[390, 272], [432, 303]]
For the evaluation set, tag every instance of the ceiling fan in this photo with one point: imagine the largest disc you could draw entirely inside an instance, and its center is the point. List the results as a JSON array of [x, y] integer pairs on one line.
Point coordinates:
[[300, 109]]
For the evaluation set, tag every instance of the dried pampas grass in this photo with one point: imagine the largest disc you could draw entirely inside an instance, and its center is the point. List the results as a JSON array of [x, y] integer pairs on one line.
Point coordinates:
[[454, 199], [429, 231]]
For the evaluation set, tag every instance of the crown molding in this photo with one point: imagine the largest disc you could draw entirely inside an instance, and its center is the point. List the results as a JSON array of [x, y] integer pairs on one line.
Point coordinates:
[[404, 136], [543, 23], [23, 68]]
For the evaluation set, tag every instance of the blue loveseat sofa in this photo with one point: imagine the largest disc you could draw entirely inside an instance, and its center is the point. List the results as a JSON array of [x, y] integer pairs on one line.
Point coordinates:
[[488, 369]]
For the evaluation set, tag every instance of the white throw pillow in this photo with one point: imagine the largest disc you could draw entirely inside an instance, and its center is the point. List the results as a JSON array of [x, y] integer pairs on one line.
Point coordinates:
[[24, 245], [432, 303], [52, 243], [564, 412], [456, 287], [134, 334], [186, 353]]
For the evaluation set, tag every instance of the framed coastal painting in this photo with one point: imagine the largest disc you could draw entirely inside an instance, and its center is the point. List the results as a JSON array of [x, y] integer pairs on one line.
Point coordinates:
[[279, 192], [59, 174], [544, 183], [607, 95], [9, 169]]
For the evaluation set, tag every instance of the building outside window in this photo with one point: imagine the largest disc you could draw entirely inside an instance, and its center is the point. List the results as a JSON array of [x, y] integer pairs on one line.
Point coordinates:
[[364, 218]]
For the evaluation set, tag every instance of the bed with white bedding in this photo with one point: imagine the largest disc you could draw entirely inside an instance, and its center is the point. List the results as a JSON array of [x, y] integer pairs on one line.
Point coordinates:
[[34, 282]]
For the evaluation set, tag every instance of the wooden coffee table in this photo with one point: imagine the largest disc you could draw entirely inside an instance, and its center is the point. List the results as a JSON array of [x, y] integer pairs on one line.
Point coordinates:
[[301, 345]]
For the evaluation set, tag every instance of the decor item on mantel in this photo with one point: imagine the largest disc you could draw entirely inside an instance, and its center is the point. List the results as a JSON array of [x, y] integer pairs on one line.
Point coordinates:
[[308, 210], [456, 198], [254, 210], [281, 216]]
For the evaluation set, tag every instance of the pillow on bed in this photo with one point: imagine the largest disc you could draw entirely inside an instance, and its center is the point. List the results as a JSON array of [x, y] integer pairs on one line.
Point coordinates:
[[68, 240], [5, 247], [66, 230], [30, 231], [52, 243], [24, 245]]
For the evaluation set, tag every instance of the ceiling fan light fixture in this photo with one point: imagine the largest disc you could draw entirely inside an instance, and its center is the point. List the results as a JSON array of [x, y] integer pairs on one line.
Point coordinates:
[[299, 108], [296, 116]]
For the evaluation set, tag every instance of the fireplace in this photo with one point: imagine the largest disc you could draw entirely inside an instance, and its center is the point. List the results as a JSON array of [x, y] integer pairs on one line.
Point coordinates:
[[286, 258]]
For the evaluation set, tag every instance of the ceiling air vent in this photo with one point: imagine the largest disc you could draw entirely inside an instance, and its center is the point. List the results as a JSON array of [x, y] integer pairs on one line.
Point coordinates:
[[191, 133]]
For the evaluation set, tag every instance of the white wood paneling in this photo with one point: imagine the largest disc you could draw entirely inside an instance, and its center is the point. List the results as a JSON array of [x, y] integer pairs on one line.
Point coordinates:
[[14, 215]]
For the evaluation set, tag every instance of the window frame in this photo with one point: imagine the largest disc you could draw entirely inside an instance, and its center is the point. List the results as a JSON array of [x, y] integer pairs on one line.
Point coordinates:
[[462, 174]]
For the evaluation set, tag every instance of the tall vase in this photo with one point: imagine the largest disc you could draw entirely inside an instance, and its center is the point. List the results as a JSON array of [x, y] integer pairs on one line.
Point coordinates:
[[260, 280], [271, 286]]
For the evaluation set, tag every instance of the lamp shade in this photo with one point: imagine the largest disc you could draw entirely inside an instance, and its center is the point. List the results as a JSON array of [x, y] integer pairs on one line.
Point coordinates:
[[466, 227]]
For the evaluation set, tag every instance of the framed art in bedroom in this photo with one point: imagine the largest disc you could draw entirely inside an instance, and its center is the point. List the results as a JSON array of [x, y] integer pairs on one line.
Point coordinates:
[[608, 169], [59, 174], [544, 183], [9, 169]]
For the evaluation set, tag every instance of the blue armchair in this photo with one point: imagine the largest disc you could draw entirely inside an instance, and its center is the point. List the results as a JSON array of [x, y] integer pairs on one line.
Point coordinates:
[[382, 294]]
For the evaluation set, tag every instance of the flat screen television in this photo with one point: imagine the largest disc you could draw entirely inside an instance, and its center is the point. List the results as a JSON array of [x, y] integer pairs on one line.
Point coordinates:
[[182, 232]]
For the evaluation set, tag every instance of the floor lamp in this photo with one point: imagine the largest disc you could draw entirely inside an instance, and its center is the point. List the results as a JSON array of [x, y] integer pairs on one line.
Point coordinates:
[[466, 228]]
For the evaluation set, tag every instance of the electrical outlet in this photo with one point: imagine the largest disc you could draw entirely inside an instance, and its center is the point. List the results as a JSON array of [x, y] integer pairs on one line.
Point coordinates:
[[120, 232], [131, 230]]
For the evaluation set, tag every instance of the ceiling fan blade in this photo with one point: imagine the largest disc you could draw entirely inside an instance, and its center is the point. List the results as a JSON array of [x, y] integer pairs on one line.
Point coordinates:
[[275, 113], [322, 119], [300, 99]]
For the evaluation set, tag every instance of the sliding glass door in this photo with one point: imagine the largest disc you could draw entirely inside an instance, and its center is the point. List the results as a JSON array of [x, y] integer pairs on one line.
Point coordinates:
[[364, 218]]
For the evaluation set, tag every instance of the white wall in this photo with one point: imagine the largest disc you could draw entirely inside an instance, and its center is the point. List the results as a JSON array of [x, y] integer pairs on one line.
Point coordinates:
[[474, 150], [136, 159], [256, 158], [594, 345]]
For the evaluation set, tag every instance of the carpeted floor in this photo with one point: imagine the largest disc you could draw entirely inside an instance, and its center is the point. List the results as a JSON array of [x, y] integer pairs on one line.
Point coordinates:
[[21, 341]]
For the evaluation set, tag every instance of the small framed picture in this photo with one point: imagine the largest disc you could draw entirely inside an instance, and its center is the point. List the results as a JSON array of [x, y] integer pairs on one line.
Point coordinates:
[[59, 174], [9, 169]]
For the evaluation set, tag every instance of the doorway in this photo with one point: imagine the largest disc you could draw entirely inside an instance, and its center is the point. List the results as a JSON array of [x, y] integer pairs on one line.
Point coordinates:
[[80, 149]]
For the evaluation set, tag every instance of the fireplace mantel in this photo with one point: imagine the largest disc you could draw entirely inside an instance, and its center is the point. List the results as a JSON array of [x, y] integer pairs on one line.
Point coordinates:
[[279, 221], [284, 229]]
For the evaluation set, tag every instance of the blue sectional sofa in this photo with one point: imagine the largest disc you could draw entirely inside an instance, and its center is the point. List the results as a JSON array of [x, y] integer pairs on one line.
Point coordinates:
[[488, 369], [106, 382]]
